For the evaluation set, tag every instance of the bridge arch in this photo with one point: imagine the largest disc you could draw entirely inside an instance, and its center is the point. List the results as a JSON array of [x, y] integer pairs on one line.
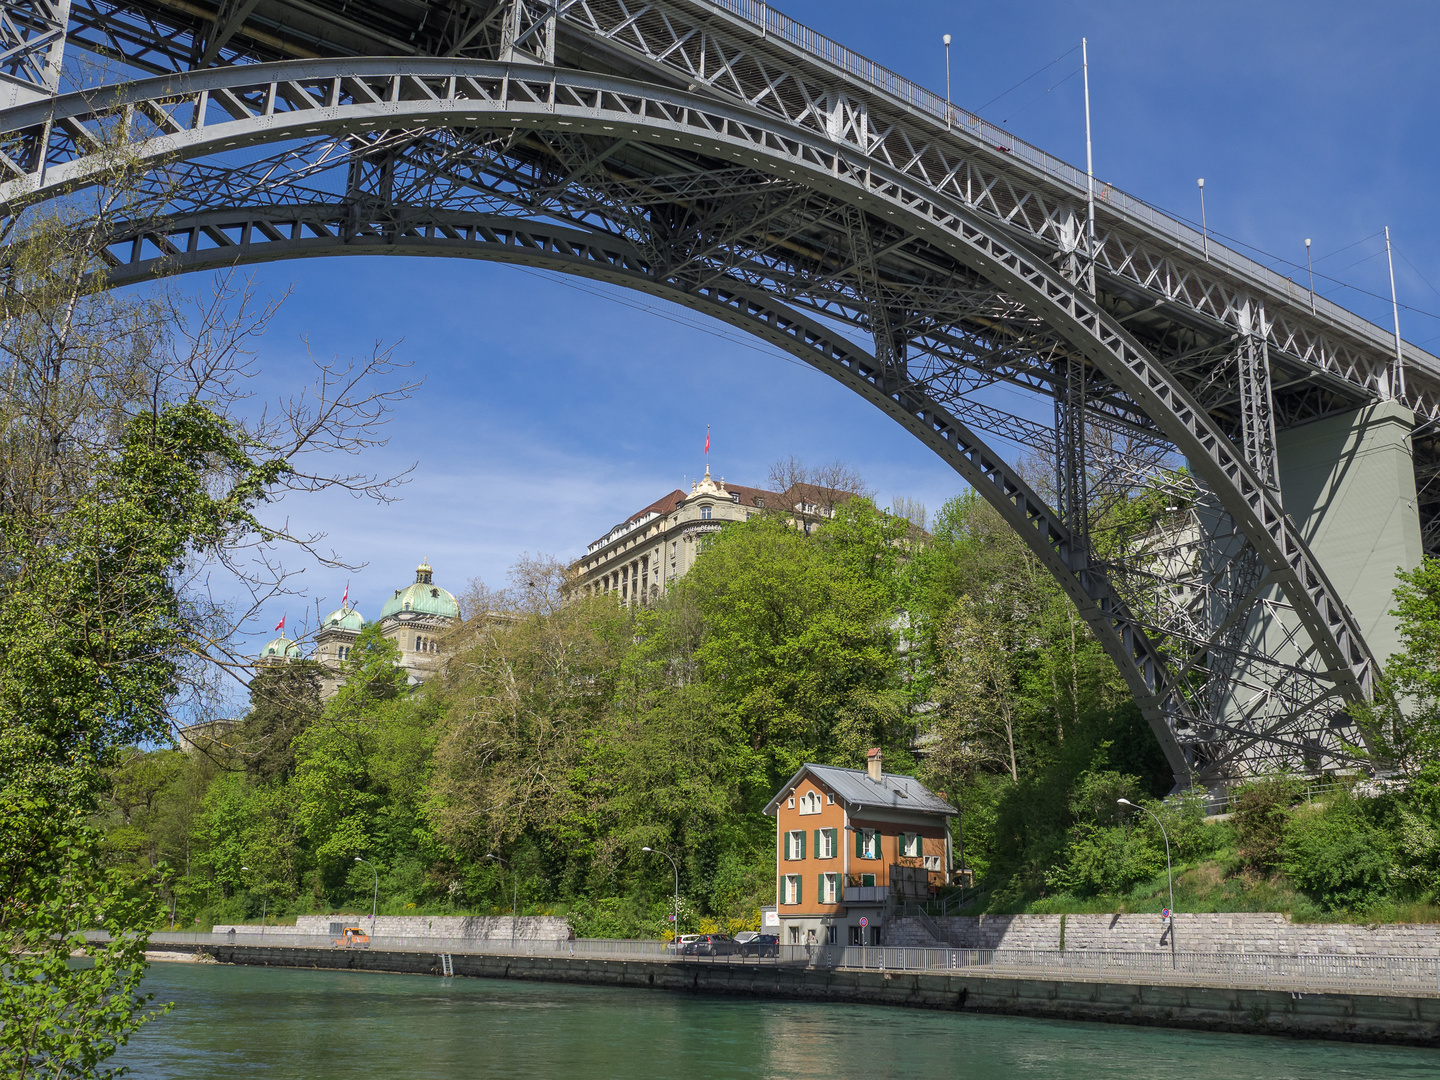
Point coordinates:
[[176, 123]]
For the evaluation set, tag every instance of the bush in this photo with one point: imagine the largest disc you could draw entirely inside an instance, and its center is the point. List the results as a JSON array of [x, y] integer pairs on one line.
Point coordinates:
[[1262, 811], [1108, 860], [1336, 856]]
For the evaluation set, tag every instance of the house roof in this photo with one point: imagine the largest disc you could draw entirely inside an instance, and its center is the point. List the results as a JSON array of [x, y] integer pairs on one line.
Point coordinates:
[[893, 792], [662, 506]]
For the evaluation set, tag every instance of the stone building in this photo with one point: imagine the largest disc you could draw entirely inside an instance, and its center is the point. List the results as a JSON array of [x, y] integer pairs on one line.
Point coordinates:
[[415, 618], [640, 558]]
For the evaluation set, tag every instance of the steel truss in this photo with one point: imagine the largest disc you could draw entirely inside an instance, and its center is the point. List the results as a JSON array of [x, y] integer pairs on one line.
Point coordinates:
[[806, 209]]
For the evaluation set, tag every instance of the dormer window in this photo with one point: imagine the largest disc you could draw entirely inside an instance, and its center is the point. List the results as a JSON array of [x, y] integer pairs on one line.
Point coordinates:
[[735, 496]]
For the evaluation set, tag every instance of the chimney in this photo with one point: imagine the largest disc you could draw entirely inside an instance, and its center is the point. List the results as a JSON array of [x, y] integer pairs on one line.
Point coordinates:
[[872, 764]]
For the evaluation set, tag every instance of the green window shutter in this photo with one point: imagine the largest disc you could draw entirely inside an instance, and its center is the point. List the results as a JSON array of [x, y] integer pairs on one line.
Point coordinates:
[[820, 889], [799, 887], [819, 847], [787, 845], [859, 843], [800, 835]]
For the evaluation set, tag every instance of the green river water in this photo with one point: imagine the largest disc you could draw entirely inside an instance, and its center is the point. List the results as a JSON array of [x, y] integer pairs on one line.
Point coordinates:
[[234, 1022]]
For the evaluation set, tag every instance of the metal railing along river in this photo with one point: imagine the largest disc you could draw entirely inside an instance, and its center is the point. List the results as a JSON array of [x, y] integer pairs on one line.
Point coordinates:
[[1302, 973]]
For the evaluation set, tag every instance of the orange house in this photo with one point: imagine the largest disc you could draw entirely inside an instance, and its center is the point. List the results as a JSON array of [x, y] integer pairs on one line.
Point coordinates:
[[849, 843]]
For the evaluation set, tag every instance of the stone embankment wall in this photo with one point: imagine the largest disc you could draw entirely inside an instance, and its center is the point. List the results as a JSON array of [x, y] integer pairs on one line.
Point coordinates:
[[1357, 1017], [1260, 932], [469, 927]]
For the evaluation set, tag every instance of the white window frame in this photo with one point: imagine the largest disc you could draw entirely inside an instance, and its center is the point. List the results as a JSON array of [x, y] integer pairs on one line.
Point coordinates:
[[825, 848], [831, 892], [810, 803], [790, 891], [870, 844], [912, 846], [794, 841]]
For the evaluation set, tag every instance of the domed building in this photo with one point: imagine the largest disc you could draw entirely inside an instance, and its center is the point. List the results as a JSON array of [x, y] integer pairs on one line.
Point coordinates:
[[333, 641], [415, 618], [280, 650]]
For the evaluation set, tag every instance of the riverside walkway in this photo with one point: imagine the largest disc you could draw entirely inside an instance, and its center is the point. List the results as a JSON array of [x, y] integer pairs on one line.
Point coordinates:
[[1411, 976]]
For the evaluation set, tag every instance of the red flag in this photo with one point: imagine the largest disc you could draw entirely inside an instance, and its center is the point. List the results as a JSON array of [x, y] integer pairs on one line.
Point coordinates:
[[281, 624], [707, 440], [346, 598]]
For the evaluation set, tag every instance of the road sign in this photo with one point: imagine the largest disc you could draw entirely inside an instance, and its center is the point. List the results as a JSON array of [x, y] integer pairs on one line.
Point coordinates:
[[1165, 915], [864, 921], [672, 918]]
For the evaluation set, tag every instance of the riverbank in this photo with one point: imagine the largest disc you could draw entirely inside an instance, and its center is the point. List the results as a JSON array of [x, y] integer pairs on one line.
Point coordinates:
[[1402, 1019]]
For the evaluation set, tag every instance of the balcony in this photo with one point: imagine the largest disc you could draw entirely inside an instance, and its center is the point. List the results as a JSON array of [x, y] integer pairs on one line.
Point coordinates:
[[865, 894], [909, 882]]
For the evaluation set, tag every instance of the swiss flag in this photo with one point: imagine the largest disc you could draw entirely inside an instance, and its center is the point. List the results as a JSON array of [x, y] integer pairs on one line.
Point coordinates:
[[707, 440], [281, 624]]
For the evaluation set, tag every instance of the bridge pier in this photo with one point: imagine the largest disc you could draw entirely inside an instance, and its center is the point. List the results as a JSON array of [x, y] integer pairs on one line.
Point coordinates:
[[1348, 482]]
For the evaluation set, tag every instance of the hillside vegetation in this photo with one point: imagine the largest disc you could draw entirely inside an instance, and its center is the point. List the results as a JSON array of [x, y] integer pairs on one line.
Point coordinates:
[[564, 737]]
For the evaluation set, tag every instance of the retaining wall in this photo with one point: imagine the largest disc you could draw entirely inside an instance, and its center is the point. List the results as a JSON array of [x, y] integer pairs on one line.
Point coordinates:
[[1265, 932], [1355, 1017], [470, 927]]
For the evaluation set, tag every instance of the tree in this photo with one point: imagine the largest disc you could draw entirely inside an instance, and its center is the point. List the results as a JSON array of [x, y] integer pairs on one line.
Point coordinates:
[[1402, 722], [284, 701]]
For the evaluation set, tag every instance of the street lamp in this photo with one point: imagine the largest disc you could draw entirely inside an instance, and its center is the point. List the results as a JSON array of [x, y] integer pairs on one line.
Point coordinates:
[[1204, 229], [677, 888], [375, 899], [946, 38], [515, 897], [1169, 876]]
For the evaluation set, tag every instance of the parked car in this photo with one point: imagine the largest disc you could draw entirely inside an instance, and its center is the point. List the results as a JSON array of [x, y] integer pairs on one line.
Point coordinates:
[[761, 945], [710, 945], [678, 945]]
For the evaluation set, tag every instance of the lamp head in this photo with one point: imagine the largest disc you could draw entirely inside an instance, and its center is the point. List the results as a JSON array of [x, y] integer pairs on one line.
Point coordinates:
[[1307, 241], [359, 859], [1201, 182], [1124, 802], [647, 849], [946, 39]]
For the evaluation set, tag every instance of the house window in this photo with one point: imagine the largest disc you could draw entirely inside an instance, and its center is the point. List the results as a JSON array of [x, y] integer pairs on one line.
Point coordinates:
[[791, 802], [829, 888], [794, 935], [832, 934], [910, 845], [825, 843], [857, 935], [735, 496], [867, 844], [790, 893], [704, 513], [760, 501], [829, 798], [795, 844], [867, 881], [810, 802], [932, 862]]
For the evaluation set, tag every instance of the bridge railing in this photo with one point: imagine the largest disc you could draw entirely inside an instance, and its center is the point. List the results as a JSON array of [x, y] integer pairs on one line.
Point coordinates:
[[772, 23]]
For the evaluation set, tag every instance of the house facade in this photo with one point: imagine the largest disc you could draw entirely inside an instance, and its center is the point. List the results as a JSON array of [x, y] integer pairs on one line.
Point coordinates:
[[849, 845]]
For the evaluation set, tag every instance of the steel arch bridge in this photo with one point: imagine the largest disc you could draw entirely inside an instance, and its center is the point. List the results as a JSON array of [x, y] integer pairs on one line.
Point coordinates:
[[721, 156]]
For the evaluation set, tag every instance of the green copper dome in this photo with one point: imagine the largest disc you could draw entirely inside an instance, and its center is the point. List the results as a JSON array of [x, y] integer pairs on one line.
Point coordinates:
[[281, 647], [345, 618], [423, 598]]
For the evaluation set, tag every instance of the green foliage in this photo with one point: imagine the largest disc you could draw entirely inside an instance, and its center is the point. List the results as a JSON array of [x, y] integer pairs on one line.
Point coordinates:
[[1337, 856], [284, 701], [62, 1019], [1261, 814]]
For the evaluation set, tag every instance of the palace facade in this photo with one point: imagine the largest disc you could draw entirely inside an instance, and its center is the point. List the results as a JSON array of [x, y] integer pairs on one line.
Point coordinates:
[[640, 558], [415, 617]]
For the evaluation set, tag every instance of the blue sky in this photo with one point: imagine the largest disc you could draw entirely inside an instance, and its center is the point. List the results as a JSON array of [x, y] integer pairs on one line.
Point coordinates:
[[551, 411]]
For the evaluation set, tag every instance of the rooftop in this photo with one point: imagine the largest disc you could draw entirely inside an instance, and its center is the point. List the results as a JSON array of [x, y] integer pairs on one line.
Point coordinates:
[[854, 786]]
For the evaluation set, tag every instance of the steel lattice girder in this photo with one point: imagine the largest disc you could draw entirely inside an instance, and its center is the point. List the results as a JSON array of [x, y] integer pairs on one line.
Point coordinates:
[[292, 101]]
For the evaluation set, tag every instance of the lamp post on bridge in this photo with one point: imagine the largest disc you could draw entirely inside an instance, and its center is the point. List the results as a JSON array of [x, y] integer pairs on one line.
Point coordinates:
[[946, 39], [1204, 229], [675, 936], [1169, 877]]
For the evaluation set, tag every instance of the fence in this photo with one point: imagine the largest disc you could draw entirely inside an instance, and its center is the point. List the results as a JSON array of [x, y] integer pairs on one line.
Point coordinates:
[[1318, 973]]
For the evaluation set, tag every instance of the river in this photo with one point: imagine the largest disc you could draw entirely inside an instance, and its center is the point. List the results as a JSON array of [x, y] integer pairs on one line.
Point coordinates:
[[233, 1022]]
